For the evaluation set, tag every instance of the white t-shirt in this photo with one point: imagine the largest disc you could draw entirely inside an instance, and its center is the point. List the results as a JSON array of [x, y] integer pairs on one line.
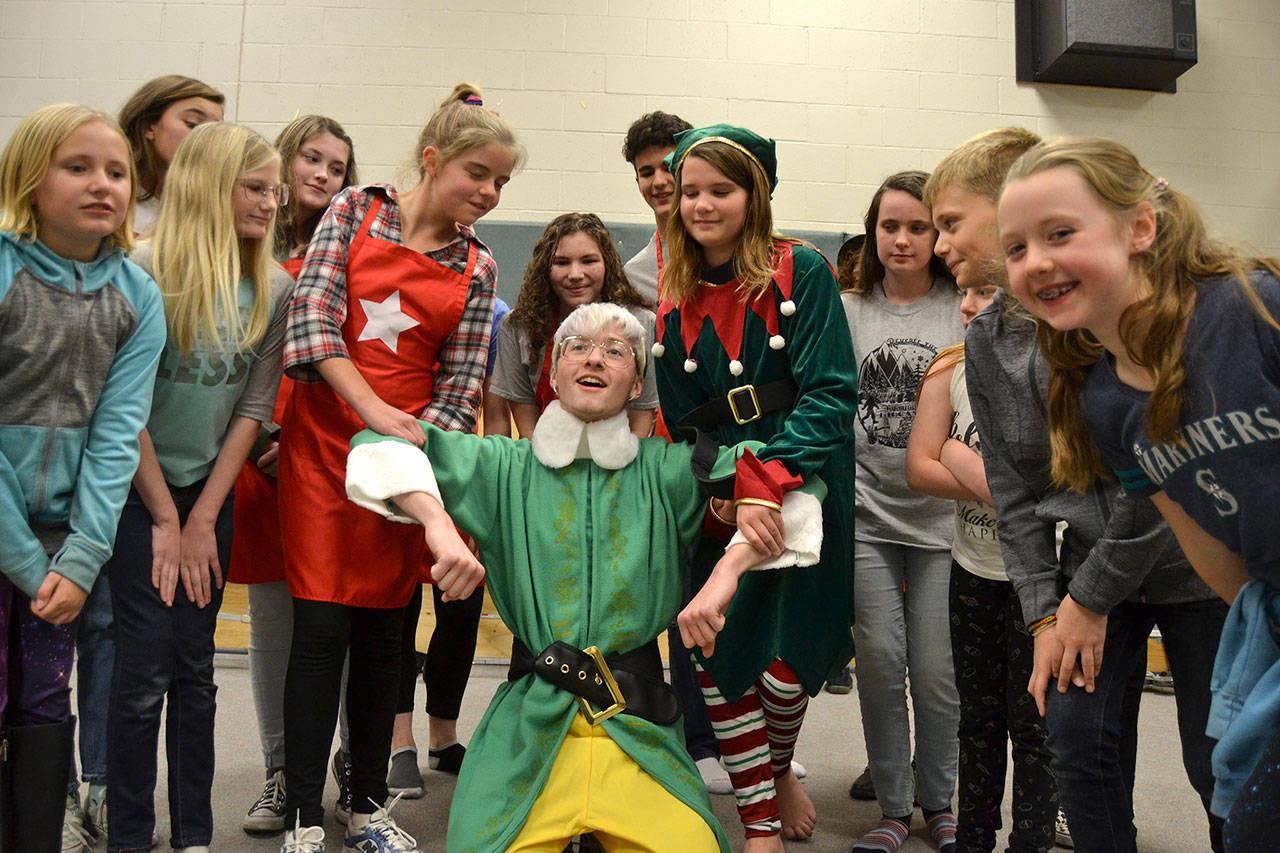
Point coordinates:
[[975, 546]]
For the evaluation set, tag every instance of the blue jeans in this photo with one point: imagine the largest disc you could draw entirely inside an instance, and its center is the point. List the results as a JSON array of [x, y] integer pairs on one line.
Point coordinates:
[[1094, 736], [95, 659], [903, 637], [160, 652]]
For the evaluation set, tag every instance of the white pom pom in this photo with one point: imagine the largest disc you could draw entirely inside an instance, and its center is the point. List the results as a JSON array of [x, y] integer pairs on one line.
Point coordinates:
[[787, 308], [657, 349], [735, 367], [777, 342], [690, 365]]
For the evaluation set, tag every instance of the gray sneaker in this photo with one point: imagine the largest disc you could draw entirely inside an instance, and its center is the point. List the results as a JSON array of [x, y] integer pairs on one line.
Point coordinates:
[[75, 837], [267, 814], [1061, 833]]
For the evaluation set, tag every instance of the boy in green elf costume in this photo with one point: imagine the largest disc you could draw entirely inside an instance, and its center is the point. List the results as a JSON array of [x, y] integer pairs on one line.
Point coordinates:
[[584, 528]]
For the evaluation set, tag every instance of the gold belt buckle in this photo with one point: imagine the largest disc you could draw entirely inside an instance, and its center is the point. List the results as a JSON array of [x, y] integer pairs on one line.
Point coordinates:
[[619, 704], [750, 391]]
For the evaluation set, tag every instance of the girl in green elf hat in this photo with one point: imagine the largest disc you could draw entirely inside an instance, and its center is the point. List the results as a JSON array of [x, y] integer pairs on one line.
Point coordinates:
[[752, 345]]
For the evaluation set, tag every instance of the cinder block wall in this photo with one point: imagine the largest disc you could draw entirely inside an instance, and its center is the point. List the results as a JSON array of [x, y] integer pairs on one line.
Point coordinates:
[[852, 89]]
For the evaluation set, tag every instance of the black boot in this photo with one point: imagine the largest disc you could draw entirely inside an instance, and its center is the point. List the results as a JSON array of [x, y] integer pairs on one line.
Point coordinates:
[[6, 794], [39, 758]]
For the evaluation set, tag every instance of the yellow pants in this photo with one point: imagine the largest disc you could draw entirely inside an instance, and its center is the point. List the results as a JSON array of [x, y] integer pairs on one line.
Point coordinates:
[[596, 787]]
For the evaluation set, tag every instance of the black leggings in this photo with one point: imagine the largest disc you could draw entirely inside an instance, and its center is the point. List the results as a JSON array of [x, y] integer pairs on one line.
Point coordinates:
[[322, 635], [449, 654]]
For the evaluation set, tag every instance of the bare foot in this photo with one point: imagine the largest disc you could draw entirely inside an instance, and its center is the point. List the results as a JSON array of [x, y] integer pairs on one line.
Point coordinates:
[[764, 844], [795, 807]]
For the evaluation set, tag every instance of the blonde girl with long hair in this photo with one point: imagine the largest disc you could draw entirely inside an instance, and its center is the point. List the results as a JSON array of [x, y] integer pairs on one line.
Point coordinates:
[[391, 323], [156, 119], [752, 345], [226, 307], [1162, 349], [68, 446], [317, 161]]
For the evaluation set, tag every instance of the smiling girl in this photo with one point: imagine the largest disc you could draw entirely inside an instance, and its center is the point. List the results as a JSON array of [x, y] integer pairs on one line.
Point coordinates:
[[226, 307], [156, 119], [1162, 345], [68, 444], [574, 263], [902, 312], [751, 347], [390, 323]]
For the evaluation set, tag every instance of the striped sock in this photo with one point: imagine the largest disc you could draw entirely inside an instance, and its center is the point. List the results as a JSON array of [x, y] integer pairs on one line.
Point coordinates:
[[889, 835], [942, 826], [744, 745]]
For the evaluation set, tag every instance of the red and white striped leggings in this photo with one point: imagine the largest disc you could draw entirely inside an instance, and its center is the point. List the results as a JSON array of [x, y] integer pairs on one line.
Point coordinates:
[[757, 736]]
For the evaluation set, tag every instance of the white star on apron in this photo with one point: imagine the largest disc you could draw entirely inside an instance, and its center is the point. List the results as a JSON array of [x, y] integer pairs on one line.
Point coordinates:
[[385, 321]]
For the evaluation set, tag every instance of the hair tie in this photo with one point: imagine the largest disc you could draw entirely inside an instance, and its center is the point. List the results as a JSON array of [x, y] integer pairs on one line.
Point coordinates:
[[474, 100], [1160, 185]]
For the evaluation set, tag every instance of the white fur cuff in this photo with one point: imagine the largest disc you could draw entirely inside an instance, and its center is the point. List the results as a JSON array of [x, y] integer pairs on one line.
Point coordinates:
[[802, 520], [379, 470]]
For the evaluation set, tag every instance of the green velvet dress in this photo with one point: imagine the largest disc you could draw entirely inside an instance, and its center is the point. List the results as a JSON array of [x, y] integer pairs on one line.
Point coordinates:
[[800, 615]]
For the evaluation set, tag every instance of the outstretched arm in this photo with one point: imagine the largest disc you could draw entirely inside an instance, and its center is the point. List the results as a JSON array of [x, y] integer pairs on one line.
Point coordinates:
[[456, 570], [703, 618]]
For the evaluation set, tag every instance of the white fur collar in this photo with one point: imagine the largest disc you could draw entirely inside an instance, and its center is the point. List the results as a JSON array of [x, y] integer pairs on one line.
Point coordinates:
[[559, 438]]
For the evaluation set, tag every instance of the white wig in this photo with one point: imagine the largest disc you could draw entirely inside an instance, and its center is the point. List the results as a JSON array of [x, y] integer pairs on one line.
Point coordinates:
[[593, 319]]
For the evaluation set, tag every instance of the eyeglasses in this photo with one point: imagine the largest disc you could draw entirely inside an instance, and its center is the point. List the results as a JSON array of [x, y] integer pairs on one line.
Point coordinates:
[[616, 353], [257, 193]]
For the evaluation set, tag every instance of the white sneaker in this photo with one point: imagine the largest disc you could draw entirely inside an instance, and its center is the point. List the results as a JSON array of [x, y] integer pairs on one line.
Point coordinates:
[[304, 839], [1061, 832], [75, 838], [714, 775], [380, 834], [267, 814]]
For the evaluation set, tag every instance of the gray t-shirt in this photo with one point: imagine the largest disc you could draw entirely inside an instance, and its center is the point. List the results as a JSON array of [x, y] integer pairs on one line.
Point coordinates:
[[893, 346], [198, 394], [514, 380], [642, 271]]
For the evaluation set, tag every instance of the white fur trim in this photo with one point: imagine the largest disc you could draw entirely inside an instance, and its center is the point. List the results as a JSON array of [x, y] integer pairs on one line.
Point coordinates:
[[559, 435], [787, 308], [802, 520], [379, 470], [777, 342], [658, 349], [690, 365], [735, 367]]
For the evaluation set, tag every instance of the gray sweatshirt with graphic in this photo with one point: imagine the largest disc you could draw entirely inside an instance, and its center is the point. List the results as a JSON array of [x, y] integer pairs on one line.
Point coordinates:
[[1115, 548]]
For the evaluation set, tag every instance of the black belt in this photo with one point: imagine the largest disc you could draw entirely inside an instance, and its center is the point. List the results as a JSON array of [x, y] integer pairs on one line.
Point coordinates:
[[626, 683], [740, 406]]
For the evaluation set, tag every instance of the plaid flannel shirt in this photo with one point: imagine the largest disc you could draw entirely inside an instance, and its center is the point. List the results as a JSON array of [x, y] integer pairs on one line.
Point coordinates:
[[319, 305]]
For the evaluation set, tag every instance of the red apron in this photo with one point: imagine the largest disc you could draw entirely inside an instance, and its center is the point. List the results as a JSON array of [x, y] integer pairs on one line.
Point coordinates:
[[336, 551], [256, 553]]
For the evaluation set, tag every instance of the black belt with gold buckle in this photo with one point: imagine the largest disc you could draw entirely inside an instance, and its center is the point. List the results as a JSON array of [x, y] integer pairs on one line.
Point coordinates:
[[742, 405], [626, 683]]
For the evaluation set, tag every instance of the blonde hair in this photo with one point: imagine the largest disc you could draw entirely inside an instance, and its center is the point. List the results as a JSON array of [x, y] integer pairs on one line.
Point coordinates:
[[199, 258], [753, 256], [146, 107], [291, 229], [462, 123], [25, 163], [946, 358], [980, 164], [1181, 255]]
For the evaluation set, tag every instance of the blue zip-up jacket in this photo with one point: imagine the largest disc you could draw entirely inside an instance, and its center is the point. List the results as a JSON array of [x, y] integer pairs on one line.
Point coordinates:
[[79, 344]]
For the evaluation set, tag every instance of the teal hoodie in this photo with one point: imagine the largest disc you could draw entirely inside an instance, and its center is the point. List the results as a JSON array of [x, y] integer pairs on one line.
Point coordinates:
[[79, 343]]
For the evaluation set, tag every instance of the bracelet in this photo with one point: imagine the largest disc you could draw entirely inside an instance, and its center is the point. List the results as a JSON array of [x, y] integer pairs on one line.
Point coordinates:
[[1037, 628], [758, 502], [711, 507]]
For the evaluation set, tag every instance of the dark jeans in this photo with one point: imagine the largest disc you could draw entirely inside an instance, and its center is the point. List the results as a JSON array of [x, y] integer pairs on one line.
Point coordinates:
[[450, 653], [95, 659], [160, 651], [1254, 823], [993, 653], [1094, 736], [323, 633]]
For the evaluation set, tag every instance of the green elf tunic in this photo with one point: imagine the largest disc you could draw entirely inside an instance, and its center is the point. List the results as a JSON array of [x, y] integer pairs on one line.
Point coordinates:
[[583, 550], [796, 330]]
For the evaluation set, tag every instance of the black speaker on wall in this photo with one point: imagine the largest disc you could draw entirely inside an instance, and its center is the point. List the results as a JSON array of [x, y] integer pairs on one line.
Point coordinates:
[[1123, 44]]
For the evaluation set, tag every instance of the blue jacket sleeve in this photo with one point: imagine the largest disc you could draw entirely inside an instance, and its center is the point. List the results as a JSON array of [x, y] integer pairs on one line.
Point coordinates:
[[110, 456]]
